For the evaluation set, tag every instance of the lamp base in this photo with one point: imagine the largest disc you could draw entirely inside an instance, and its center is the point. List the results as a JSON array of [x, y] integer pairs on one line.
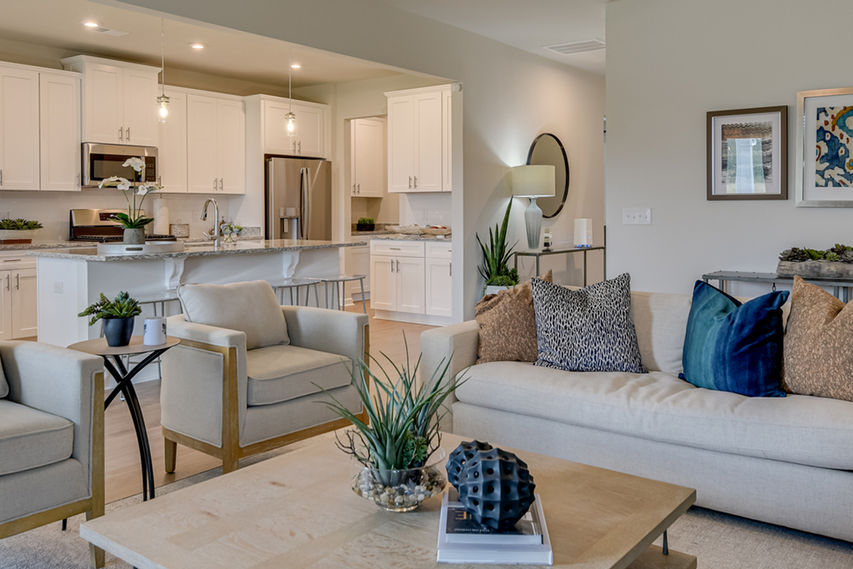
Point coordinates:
[[533, 222]]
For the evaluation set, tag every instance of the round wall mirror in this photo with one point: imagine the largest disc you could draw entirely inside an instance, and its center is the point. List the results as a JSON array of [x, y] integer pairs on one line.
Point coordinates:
[[547, 149]]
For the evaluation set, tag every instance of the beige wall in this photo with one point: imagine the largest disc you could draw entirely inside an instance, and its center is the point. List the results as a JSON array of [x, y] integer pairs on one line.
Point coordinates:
[[668, 63], [509, 96]]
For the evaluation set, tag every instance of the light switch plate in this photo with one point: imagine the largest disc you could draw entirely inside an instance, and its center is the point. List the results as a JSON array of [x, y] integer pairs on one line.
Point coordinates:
[[636, 216]]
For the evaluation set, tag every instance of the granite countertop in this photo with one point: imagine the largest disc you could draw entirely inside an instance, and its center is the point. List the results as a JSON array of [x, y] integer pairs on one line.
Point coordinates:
[[408, 237], [251, 247], [83, 244]]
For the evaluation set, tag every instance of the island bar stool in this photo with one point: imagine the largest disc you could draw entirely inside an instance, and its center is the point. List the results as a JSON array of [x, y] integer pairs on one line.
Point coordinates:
[[294, 284], [335, 289]]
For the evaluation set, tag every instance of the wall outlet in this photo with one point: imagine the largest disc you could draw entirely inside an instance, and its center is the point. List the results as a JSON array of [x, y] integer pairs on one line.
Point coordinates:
[[58, 287], [636, 216]]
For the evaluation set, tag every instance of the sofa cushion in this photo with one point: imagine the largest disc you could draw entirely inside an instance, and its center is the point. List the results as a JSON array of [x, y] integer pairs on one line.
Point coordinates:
[[661, 321], [658, 406], [734, 346], [250, 307], [4, 387], [281, 373], [30, 438], [588, 329], [508, 325], [818, 358]]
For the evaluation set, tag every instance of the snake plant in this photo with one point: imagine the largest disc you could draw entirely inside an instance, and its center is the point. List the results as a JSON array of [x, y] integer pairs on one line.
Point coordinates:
[[496, 255]]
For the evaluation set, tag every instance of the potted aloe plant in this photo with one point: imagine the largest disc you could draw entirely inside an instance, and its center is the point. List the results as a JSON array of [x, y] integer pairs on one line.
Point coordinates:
[[496, 255], [18, 230], [134, 221], [117, 314], [397, 443]]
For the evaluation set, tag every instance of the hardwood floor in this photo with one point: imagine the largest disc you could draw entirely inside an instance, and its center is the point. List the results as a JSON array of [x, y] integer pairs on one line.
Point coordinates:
[[122, 474]]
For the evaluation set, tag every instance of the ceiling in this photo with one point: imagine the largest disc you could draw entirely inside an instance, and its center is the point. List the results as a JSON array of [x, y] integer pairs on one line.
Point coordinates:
[[529, 25], [231, 53]]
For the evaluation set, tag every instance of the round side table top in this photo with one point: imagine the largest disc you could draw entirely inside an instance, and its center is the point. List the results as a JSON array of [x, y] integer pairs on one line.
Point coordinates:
[[99, 346]]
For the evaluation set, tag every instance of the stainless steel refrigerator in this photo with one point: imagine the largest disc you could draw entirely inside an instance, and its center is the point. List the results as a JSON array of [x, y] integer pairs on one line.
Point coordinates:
[[298, 198]]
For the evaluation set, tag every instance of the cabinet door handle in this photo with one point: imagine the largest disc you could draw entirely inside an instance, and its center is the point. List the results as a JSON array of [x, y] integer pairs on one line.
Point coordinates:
[[359, 189], [221, 184], [8, 282], [392, 266], [450, 269], [17, 281], [300, 146], [353, 188], [121, 133], [11, 260], [416, 181], [398, 265], [410, 182], [214, 184], [1, 176]]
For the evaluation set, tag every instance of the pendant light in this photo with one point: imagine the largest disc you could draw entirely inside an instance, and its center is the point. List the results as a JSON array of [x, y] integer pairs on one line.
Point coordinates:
[[290, 118], [162, 100]]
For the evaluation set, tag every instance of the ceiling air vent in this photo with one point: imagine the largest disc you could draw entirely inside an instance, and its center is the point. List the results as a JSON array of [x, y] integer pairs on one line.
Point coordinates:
[[571, 48]]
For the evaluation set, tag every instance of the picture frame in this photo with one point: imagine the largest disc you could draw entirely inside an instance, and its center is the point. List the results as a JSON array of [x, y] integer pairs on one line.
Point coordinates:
[[824, 167], [747, 154]]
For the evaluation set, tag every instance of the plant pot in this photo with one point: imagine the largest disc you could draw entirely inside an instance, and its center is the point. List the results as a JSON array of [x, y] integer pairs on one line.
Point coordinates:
[[401, 490], [134, 235], [365, 227], [118, 331], [17, 236]]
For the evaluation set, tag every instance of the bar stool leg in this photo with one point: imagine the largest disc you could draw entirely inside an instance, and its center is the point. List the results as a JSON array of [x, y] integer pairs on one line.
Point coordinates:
[[363, 299], [316, 295]]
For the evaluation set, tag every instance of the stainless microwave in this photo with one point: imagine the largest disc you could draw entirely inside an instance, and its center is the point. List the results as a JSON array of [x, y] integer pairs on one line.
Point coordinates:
[[102, 161]]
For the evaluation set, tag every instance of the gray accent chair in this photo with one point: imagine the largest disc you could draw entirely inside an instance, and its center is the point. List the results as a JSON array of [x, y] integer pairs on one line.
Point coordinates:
[[51, 437]]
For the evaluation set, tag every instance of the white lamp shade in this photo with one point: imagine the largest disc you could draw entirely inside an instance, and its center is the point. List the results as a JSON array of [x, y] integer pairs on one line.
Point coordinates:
[[533, 181]]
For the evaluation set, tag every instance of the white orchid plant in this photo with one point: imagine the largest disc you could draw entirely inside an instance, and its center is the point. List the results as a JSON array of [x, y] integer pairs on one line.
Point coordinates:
[[132, 190]]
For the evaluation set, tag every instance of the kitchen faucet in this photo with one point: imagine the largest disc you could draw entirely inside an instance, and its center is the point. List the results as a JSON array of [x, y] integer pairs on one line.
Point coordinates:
[[216, 232]]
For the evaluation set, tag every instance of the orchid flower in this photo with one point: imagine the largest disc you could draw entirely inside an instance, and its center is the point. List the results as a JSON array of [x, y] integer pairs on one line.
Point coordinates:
[[110, 182], [143, 189], [136, 163]]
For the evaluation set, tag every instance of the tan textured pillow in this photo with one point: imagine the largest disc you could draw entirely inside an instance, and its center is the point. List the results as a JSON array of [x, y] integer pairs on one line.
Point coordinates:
[[507, 325], [250, 307], [818, 358]]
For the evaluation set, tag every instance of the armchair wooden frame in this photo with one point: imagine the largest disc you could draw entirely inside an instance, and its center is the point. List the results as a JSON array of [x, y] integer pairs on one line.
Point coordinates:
[[231, 452], [93, 506]]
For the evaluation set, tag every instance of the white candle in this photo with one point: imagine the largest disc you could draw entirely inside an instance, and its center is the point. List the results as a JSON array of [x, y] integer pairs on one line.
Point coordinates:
[[583, 232]]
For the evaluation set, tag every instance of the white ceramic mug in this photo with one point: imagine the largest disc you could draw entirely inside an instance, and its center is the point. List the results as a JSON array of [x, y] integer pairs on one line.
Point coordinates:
[[155, 331]]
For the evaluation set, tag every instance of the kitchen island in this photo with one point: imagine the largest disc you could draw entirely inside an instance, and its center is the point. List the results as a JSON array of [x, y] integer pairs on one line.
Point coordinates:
[[68, 280]]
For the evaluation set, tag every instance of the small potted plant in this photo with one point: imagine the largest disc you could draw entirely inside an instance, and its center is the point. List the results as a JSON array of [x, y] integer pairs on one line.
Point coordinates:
[[19, 230], [117, 314], [397, 443], [496, 255], [365, 224], [230, 231], [134, 221]]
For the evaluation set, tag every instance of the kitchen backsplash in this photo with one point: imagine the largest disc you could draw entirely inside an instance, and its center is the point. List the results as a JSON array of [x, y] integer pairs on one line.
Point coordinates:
[[425, 209]]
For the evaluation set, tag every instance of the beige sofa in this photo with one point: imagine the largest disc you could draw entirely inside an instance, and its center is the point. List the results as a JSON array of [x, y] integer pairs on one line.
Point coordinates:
[[786, 461]]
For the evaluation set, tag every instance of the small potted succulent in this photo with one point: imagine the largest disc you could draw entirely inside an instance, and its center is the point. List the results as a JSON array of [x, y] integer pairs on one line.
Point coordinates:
[[496, 255], [365, 224], [134, 221], [117, 314], [230, 231], [397, 444], [18, 230]]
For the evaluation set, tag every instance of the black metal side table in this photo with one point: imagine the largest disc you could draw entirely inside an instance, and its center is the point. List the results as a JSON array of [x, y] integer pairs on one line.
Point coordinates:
[[124, 385], [559, 250]]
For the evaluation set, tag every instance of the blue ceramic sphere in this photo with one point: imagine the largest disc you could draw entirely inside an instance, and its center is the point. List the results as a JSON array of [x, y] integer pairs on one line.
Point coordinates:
[[464, 452]]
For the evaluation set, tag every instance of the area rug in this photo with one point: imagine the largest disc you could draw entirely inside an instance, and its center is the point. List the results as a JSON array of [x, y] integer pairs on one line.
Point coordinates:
[[718, 540]]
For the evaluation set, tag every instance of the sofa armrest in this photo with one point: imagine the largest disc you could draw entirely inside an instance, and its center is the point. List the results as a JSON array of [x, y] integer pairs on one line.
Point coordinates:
[[58, 381], [457, 344], [333, 331]]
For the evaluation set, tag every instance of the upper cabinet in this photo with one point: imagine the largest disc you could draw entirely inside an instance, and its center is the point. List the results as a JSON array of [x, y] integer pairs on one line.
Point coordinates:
[[59, 105], [215, 144], [119, 100], [19, 129], [419, 138], [172, 149], [312, 136], [368, 157]]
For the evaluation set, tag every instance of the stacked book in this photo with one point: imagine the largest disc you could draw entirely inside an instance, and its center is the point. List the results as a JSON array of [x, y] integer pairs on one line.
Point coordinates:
[[463, 540]]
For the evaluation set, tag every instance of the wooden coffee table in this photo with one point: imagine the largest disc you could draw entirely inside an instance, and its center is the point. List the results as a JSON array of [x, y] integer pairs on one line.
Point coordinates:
[[298, 510]]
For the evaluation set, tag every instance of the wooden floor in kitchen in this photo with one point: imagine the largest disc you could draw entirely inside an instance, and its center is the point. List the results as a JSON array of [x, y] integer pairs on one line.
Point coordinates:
[[122, 454]]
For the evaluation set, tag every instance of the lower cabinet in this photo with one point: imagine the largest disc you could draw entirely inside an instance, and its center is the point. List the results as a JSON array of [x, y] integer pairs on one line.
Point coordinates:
[[439, 274], [397, 283], [18, 308]]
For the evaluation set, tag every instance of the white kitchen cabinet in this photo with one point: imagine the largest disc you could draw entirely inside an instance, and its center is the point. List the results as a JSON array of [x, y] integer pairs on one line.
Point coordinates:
[[19, 129], [215, 145], [18, 310], [439, 277], [383, 283], [172, 151], [397, 276], [367, 138], [418, 140], [119, 100], [59, 104], [310, 137], [409, 273]]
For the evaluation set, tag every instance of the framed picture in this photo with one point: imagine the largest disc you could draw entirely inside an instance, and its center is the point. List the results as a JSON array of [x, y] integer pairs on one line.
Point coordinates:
[[748, 154], [824, 147]]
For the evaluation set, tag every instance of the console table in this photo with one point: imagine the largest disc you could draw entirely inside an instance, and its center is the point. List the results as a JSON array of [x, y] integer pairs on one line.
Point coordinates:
[[840, 287], [564, 250]]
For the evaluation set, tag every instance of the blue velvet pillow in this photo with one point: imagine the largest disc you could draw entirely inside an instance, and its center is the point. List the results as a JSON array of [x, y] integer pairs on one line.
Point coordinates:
[[734, 347]]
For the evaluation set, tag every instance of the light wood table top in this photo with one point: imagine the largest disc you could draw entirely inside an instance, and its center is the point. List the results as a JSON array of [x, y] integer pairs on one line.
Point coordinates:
[[99, 347], [298, 510]]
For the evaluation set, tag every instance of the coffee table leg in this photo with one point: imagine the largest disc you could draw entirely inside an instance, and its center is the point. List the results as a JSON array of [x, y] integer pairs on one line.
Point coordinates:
[[665, 548]]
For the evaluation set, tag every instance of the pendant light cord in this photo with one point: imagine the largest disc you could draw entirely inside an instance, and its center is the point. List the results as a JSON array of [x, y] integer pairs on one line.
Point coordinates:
[[162, 56]]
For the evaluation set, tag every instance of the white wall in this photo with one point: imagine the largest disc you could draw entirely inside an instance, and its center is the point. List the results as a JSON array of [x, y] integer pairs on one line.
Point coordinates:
[[668, 63], [510, 96]]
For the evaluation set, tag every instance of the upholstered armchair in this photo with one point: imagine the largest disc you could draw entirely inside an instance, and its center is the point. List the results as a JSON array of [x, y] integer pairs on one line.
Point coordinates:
[[51, 437], [249, 375]]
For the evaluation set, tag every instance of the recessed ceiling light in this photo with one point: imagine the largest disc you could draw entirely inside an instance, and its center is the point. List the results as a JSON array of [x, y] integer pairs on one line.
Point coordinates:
[[91, 24], [197, 45], [296, 66]]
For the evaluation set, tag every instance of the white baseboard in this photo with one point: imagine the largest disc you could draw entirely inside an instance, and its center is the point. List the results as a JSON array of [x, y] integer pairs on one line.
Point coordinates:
[[426, 319]]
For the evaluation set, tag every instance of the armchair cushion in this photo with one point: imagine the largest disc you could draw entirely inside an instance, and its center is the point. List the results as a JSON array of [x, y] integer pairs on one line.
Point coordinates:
[[30, 438], [250, 307], [4, 387], [281, 373]]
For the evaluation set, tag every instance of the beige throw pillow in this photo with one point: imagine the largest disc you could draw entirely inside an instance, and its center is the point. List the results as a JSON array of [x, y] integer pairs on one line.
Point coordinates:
[[251, 307], [818, 358], [507, 325]]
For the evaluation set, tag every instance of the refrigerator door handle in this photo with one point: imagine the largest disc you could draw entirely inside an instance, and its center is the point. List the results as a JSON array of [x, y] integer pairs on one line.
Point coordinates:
[[305, 204]]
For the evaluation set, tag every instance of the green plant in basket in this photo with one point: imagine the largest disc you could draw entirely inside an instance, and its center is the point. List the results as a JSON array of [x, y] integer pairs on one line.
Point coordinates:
[[19, 224], [122, 306], [496, 255]]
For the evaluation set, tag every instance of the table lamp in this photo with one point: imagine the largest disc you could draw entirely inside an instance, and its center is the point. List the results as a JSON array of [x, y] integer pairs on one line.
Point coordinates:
[[533, 181]]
